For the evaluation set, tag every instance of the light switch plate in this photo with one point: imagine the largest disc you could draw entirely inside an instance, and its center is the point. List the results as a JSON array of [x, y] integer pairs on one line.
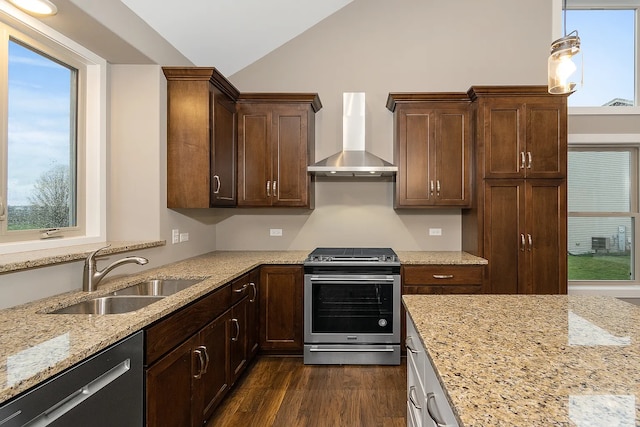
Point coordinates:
[[175, 236]]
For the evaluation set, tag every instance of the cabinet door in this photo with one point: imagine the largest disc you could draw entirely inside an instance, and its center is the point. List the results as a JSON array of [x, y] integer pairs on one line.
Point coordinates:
[[254, 155], [415, 131], [280, 293], [223, 153], [238, 338], [215, 382], [503, 138], [504, 237], [546, 237], [452, 155], [253, 326], [169, 388], [546, 148], [290, 180]]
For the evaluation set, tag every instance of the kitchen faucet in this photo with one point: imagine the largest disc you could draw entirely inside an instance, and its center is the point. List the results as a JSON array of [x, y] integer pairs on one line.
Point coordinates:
[[91, 276]]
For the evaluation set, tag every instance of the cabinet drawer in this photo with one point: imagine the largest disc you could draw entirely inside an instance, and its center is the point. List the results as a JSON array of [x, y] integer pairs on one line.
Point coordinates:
[[442, 275], [174, 329], [441, 290]]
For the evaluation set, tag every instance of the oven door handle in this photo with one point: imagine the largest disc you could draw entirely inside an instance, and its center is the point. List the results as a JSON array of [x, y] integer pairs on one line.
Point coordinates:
[[327, 278], [351, 350]]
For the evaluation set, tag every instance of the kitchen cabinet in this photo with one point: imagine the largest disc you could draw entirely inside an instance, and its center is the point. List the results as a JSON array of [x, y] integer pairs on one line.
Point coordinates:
[[432, 145], [427, 404], [526, 245], [195, 355], [201, 138], [521, 132], [518, 220], [276, 134], [281, 307]]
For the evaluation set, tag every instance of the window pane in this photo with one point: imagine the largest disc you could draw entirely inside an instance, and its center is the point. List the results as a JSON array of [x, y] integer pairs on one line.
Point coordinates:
[[599, 181], [608, 44], [600, 248], [41, 141]]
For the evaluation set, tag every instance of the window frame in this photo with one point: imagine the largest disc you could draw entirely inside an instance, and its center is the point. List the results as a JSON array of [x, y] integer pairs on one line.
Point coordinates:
[[91, 130], [557, 23], [613, 142]]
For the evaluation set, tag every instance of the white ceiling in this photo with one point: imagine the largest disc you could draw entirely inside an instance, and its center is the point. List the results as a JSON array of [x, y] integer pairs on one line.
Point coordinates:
[[231, 34]]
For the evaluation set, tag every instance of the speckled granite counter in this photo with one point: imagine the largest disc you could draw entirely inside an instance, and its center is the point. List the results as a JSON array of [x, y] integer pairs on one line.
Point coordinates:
[[35, 346], [523, 360]]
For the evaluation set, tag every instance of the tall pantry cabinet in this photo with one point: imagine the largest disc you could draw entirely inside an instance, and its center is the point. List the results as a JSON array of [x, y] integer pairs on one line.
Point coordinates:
[[518, 220]]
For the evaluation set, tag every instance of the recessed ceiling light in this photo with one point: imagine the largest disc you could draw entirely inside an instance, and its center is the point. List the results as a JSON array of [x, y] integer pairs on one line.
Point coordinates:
[[36, 7]]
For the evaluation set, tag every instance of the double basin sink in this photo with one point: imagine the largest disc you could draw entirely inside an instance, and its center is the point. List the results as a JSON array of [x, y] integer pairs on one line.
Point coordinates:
[[131, 298]]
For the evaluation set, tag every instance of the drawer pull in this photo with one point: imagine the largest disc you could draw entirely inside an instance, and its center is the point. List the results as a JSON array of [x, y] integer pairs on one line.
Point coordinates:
[[443, 276], [412, 392], [409, 346], [241, 290], [434, 414]]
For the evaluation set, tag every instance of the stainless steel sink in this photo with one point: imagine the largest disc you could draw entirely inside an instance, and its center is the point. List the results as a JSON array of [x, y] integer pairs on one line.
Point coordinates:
[[157, 287], [109, 305]]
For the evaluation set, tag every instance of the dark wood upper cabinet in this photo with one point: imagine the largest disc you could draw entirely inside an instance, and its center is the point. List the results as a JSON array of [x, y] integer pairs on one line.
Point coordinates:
[[201, 138], [276, 134], [432, 145], [522, 132]]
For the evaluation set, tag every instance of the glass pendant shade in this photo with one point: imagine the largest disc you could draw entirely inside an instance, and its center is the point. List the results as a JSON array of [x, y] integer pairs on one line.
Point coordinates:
[[565, 65]]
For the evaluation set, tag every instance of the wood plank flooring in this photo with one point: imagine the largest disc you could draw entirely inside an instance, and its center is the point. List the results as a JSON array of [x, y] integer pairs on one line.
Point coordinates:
[[283, 392]]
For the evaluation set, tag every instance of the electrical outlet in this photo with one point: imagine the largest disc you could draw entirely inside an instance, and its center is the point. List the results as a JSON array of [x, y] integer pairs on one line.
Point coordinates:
[[184, 237], [435, 232], [175, 236], [275, 232]]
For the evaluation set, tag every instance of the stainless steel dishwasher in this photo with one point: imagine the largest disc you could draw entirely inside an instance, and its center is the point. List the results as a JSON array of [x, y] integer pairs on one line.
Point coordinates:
[[105, 390]]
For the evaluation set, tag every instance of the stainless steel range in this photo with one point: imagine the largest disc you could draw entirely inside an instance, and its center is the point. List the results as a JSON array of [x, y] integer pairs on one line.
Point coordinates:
[[352, 306]]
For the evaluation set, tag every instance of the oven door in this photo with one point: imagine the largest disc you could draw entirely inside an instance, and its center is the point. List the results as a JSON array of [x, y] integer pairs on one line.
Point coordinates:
[[352, 308]]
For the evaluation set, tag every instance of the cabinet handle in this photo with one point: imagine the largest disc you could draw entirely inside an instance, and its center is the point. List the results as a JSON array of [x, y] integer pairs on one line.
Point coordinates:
[[275, 188], [431, 187], [412, 391], [235, 322], [530, 239], [198, 352], [216, 179], [434, 414], [529, 159], [443, 276], [522, 160], [438, 187], [241, 290], [268, 188], [255, 292], [204, 363], [409, 346], [522, 242]]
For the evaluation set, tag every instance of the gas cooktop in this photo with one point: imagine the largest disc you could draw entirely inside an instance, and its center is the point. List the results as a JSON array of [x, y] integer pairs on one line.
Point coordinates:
[[352, 256]]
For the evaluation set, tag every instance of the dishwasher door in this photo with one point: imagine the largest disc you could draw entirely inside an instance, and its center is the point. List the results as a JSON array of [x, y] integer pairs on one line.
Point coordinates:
[[105, 390]]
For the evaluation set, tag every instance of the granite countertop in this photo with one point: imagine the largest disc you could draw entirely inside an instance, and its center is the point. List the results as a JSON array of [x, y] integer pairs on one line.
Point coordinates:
[[533, 360], [35, 345]]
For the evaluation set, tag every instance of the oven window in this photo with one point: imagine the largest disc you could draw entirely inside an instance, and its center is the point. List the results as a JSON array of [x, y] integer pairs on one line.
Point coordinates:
[[352, 308]]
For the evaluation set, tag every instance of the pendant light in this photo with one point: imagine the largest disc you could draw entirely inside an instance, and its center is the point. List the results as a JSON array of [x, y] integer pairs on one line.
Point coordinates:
[[565, 61]]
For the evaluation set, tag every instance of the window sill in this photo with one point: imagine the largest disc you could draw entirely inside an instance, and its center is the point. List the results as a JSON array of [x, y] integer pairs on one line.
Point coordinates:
[[603, 111], [47, 257]]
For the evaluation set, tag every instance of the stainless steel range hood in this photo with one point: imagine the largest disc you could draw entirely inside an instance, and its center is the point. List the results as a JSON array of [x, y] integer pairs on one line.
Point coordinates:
[[353, 160]]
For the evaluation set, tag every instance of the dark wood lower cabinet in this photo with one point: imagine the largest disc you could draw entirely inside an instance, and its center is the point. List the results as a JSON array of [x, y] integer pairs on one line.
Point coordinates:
[[281, 305]]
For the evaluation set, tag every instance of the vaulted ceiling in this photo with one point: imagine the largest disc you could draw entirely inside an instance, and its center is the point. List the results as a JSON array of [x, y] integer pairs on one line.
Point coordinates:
[[227, 34]]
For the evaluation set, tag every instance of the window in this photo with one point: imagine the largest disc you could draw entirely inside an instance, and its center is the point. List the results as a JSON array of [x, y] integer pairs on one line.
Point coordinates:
[[603, 209], [608, 35], [52, 137]]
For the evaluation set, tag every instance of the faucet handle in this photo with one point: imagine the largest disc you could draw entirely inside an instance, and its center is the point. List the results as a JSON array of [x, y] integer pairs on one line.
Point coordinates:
[[93, 254]]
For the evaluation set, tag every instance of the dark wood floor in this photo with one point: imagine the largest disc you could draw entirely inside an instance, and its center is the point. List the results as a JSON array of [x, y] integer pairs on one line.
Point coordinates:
[[282, 391]]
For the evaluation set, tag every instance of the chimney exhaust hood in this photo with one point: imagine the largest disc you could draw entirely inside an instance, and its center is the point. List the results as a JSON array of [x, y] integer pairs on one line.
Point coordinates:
[[353, 160]]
